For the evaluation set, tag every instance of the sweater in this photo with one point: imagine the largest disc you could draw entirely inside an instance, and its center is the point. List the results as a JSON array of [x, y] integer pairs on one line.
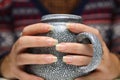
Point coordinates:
[[103, 15]]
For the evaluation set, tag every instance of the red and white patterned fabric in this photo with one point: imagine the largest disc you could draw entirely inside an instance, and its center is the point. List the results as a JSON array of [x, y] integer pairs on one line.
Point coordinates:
[[101, 14]]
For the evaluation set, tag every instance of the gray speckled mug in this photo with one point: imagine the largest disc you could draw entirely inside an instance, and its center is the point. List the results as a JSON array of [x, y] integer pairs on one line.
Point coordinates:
[[60, 70]]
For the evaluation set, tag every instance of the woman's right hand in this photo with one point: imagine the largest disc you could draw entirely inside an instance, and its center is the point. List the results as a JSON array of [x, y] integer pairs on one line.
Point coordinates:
[[13, 63]]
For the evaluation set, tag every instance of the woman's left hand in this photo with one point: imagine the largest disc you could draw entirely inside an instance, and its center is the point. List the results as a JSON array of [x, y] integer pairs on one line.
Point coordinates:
[[109, 67]]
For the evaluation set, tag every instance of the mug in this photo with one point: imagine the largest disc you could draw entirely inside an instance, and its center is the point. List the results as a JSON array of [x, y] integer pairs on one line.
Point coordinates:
[[60, 70]]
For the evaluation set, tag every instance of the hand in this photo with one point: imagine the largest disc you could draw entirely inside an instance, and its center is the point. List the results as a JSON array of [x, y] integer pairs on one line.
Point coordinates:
[[13, 63], [109, 67]]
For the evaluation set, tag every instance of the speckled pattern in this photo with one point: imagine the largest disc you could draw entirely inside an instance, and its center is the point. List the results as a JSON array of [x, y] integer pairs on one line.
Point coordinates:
[[60, 70]]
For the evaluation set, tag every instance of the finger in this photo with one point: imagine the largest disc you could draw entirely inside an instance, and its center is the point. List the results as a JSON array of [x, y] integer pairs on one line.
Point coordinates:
[[26, 58], [94, 76], [98, 74], [25, 76], [77, 60], [34, 41], [78, 28], [36, 29], [75, 48]]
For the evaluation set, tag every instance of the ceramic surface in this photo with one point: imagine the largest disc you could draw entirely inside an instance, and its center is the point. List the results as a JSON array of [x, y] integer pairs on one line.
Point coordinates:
[[60, 70]]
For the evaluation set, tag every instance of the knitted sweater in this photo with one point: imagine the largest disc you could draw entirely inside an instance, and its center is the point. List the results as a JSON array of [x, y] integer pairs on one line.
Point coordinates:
[[101, 14]]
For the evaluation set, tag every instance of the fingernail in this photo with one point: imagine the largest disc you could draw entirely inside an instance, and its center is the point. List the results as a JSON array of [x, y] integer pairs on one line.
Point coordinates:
[[68, 25], [60, 47], [52, 41], [52, 59], [51, 28], [21, 34], [67, 59]]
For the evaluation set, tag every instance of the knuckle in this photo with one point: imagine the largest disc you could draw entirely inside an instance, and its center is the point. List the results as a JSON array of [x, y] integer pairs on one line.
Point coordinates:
[[21, 40], [19, 44], [19, 59], [25, 29], [97, 31]]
